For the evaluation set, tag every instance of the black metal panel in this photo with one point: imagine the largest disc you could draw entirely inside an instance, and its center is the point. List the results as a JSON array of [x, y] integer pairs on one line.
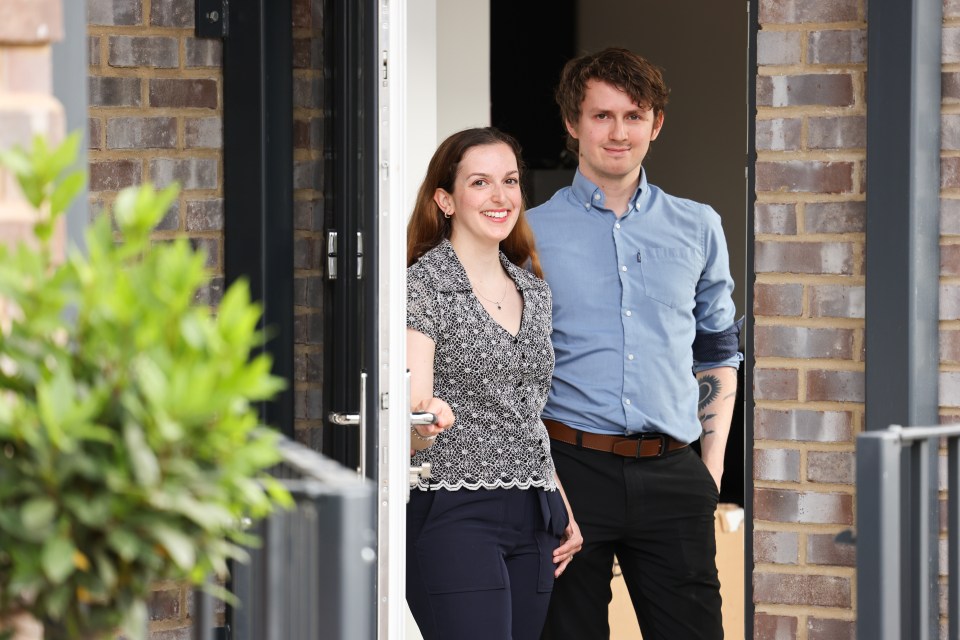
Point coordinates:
[[258, 176], [753, 26], [903, 186], [350, 303]]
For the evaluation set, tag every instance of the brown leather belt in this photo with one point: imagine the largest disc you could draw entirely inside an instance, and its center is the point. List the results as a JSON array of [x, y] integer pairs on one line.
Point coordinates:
[[648, 445]]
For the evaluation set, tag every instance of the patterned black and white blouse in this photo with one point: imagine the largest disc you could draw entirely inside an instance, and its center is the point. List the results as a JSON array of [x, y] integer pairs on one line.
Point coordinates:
[[496, 383]]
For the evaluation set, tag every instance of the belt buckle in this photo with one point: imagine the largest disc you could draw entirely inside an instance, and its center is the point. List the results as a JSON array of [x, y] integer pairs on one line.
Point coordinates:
[[662, 437]]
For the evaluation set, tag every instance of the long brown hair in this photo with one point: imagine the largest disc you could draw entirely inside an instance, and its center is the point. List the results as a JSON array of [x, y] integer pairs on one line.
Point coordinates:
[[428, 227]]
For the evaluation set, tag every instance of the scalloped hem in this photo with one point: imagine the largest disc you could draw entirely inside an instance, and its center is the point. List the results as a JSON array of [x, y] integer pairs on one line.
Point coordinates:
[[515, 484]]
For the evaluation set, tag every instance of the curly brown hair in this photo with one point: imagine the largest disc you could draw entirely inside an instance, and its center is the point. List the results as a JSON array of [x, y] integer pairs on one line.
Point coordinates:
[[633, 74]]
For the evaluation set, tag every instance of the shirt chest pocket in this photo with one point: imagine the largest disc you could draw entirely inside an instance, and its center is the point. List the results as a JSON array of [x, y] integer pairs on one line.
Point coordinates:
[[670, 274]]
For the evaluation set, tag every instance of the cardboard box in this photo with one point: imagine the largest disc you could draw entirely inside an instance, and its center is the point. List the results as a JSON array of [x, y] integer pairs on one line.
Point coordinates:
[[729, 532]]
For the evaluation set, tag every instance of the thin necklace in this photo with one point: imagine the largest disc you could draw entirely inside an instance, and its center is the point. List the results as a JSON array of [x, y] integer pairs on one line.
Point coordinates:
[[496, 302]]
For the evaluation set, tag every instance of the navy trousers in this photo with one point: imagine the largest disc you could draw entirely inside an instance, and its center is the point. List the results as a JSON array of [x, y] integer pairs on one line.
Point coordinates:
[[657, 516], [480, 563]]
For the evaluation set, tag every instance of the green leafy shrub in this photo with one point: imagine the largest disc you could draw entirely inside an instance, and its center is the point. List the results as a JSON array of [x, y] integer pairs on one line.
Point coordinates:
[[130, 447]]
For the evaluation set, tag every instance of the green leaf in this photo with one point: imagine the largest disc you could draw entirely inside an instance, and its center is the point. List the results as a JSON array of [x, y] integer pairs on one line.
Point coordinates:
[[37, 514], [143, 461], [177, 544], [64, 193], [124, 542], [134, 624], [57, 559]]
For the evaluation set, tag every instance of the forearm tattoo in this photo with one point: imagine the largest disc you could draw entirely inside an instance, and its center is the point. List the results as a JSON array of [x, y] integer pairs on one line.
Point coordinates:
[[709, 391]]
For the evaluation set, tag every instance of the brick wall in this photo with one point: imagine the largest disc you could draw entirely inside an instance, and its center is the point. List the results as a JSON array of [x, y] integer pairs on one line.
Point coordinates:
[[809, 308], [308, 142], [156, 115], [27, 106]]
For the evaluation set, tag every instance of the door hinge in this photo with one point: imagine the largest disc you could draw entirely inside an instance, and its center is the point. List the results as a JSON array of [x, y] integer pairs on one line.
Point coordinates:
[[332, 255], [211, 18]]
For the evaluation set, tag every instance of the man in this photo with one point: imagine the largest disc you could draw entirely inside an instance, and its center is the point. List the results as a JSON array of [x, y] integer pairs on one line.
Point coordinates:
[[643, 328]]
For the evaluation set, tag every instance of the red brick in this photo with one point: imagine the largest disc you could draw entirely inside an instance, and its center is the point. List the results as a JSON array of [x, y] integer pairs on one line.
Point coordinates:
[[849, 216], [950, 85], [804, 257], [831, 467], [831, 629], [950, 131], [949, 302], [114, 12], [951, 8], [804, 425], [27, 70], [308, 404], [203, 52], [203, 133], [823, 549], [950, 173], [204, 215], [847, 132], [210, 248], [771, 627], [837, 46], [302, 14], [775, 218], [804, 507], [798, 176], [308, 367], [798, 11], [302, 50], [779, 134], [93, 51], [31, 21], [114, 92], [949, 259], [775, 384], [949, 346], [211, 293], [776, 547], [837, 301], [951, 44], [778, 47], [777, 299], [308, 215], [191, 173], [950, 388], [141, 133], [811, 590], [776, 465], [159, 52], [306, 253], [113, 175], [191, 93], [307, 93], [172, 13], [164, 604], [823, 89], [308, 290], [950, 216], [308, 174], [95, 133], [803, 342], [838, 386]]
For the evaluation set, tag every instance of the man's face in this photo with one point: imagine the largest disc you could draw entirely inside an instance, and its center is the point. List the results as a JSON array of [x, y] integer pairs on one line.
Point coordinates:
[[614, 134]]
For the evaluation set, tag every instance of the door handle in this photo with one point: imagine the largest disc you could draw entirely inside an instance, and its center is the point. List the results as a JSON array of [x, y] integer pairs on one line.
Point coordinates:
[[358, 420]]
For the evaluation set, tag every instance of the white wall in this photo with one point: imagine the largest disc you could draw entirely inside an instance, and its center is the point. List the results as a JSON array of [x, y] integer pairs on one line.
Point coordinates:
[[448, 77]]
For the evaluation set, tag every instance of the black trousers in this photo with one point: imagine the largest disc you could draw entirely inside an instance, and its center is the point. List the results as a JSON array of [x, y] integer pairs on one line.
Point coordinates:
[[480, 563], [657, 516]]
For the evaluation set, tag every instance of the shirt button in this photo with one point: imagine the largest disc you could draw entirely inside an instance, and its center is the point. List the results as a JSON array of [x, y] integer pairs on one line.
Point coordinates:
[[623, 267], [586, 205], [629, 356], [596, 196], [626, 401], [628, 313], [616, 226]]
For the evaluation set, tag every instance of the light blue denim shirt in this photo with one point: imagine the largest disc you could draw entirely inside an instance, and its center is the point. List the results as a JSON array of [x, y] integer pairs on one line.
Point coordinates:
[[630, 296]]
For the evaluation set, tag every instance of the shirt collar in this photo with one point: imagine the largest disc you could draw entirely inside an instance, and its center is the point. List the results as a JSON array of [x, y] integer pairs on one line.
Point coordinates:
[[444, 257], [589, 195]]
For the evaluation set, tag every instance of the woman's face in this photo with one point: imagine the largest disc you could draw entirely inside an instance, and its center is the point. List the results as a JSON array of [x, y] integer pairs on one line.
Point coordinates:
[[486, 197]]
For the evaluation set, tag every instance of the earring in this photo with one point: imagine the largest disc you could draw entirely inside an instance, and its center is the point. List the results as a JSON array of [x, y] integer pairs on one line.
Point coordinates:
[[447, 215]]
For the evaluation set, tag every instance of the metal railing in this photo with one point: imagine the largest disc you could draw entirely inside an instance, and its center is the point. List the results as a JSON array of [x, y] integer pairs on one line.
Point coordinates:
[[898, 533], [314, 574]]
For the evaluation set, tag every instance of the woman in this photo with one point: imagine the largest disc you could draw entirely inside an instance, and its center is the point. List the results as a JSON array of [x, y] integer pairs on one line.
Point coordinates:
[[489, 531]]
